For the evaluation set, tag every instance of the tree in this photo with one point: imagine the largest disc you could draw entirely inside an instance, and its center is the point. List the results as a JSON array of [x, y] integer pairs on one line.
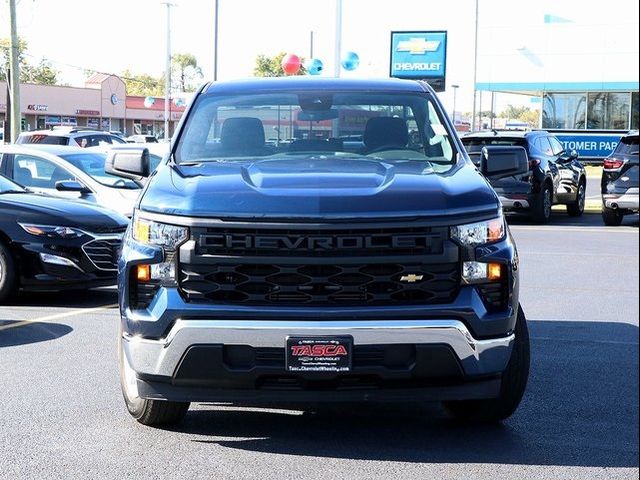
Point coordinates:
[[42, 73], [514, 112], [185, 72], [143, 84], [272, 67]]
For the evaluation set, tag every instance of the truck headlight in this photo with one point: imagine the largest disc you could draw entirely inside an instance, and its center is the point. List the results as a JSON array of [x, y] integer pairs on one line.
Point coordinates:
[[479, 233], [149, 232]]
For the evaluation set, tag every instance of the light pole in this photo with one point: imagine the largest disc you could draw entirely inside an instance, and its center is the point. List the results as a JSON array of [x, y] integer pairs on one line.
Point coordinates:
[[475, 71], [215, 41], [455, 90], [338, 41], [167, 73]]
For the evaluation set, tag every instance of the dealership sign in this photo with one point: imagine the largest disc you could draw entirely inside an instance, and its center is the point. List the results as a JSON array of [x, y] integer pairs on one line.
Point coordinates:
[[419, 55], [595, 145], [38, 107]]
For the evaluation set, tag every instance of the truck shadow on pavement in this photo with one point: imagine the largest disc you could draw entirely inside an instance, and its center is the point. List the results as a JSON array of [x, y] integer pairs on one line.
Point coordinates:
[[14, 333], [580, 409]]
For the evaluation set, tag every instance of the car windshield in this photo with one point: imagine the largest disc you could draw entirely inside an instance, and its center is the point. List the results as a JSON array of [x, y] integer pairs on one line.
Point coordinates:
[[628, 146], [317, 124], [7, 185], [93, 165]]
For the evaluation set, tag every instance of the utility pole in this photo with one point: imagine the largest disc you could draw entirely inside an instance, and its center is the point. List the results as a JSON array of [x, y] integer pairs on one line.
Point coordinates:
[[338, 42], [311, 45], [14, 77], [167, 79]]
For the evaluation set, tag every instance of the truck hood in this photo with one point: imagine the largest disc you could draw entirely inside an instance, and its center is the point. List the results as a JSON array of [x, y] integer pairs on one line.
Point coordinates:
[[320, 187]]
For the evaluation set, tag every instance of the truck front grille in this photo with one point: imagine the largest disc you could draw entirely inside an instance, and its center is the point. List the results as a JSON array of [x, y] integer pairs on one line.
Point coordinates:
[[332, 284]]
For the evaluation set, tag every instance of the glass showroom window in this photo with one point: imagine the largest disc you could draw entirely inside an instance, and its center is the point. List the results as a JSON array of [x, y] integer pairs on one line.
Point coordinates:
[[564, 110], [634, 110], [608, 111]]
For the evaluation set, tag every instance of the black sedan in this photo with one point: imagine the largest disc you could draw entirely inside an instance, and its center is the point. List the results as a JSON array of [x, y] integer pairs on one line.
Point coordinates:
[[555, 175], [49, 243]]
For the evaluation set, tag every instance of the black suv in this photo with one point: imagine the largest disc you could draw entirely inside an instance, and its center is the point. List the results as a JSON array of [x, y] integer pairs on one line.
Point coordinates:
[[620, 181], [555, 175]]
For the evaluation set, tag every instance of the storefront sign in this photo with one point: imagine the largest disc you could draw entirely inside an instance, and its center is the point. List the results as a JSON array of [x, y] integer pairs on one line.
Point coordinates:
[[80, 111], [38, 107], [420, 55], [93, 123], [589, 145]]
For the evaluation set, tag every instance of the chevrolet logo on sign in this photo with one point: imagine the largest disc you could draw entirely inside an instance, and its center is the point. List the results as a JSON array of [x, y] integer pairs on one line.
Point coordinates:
[[418, 46], [412, 278]]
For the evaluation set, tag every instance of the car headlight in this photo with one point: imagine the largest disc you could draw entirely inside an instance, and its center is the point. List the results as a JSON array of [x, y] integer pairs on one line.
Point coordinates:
[[158, 234], [479, 233], [52, 231]]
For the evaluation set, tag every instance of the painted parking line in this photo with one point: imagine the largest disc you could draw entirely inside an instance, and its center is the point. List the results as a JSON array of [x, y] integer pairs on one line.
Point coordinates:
[[57, 316]]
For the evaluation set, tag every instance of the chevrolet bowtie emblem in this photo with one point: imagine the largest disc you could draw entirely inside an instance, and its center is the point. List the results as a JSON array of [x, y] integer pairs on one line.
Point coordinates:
[[413, 278], [418, 46]]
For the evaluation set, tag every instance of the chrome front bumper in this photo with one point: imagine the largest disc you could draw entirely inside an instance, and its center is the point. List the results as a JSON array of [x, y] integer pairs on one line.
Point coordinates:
[[626, 201], [162, 357]]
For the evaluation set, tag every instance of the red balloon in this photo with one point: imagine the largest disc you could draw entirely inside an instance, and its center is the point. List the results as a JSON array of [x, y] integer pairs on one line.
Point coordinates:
[[291, 64]]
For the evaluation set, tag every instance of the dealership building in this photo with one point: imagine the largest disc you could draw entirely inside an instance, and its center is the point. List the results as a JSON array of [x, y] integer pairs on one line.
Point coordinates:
[[102, 103], [579, 66]]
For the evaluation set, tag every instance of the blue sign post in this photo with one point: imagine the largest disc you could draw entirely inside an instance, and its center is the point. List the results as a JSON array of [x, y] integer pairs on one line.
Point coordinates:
[[421, 56]]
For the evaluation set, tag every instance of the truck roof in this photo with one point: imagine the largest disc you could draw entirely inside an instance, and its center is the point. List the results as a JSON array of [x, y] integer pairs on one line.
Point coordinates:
[[288, 84]]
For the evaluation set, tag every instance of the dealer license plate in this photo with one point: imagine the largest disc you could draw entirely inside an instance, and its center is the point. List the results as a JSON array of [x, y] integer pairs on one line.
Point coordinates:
[[319, 354]]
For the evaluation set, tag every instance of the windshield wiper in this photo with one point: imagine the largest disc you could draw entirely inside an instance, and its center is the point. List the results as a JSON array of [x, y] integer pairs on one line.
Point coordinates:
[[13, 191]]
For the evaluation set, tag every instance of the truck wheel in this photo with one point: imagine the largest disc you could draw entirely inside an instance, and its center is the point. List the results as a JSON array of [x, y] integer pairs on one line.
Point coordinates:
[[147, 412], [514, 382], [576, 209], [541, 211], [8, 282], [611, 217]]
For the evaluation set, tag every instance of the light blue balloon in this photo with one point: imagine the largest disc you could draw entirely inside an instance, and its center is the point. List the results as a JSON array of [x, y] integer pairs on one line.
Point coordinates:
[[350, 61], [314, 66], [179, 102], [148, 101]]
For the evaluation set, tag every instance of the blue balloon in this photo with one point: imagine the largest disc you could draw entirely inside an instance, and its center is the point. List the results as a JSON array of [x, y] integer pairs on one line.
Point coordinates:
[[179, 102], [314, 66], [350, 61], [148, 101]]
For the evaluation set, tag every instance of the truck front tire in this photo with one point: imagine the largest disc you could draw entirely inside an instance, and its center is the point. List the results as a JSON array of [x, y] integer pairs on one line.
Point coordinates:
[[145, 411], [514, 382]]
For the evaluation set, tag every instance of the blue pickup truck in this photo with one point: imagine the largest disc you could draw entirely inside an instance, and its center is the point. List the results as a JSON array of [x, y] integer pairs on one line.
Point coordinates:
[[357, 255]]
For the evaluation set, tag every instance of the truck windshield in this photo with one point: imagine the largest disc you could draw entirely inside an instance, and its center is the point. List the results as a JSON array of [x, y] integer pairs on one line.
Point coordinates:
[[322, 124]]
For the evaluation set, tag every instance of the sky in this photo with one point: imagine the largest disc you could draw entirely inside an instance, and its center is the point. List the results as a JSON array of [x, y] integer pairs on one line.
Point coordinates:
[[114, 35]]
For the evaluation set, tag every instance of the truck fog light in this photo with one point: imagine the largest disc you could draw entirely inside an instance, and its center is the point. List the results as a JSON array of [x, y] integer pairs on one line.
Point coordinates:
[[474, 272], [163, 271]]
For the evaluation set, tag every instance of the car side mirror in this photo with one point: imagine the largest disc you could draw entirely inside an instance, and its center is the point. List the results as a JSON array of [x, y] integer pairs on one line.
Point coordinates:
[[503, 161], [128, 162], [71, 186], [573, 155]]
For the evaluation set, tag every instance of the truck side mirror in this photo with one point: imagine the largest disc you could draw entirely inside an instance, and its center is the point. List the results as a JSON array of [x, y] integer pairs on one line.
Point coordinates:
[[503, 161], [128, 162]]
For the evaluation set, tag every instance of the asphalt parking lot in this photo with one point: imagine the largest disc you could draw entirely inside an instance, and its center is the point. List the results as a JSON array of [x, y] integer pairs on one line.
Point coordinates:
[[62, 415]]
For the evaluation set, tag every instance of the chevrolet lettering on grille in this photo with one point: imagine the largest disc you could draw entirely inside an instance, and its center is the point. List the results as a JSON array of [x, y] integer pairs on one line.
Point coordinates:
[[241, 242]]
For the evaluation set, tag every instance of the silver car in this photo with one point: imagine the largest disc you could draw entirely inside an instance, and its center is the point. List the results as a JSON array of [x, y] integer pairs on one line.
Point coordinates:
[[70, 172]]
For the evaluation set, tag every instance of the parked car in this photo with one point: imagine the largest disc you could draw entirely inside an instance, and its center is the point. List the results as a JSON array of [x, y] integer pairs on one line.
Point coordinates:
[[142, 139], [70, 172], [73, 136], [619, 183], [305, 272], [555, 176], [50, 243]]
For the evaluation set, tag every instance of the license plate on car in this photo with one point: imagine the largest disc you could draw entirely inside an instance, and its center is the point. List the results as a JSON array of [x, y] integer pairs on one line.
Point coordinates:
[[319, 354]]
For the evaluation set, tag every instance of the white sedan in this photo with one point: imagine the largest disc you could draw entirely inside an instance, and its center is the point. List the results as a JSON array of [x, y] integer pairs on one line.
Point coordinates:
[[70, 172]]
